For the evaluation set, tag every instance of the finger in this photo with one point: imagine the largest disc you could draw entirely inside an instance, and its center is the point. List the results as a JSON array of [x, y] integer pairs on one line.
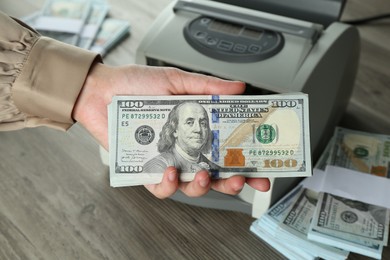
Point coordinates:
[[260, 184], [231, 186], [168, 185], [198, 187], [220, 87], [198, 84]]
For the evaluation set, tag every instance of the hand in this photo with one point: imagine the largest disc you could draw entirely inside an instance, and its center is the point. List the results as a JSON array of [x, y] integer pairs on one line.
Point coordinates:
[[103, 82], [202, 184]]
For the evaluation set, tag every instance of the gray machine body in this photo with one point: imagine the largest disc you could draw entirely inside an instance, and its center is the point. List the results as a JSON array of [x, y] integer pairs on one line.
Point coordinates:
[[315, 59]]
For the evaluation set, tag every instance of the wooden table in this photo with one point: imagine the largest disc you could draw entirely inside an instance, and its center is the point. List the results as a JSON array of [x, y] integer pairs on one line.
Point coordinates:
[[55, 198]]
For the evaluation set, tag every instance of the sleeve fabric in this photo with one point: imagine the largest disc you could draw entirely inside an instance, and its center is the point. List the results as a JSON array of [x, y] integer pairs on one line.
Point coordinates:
[[40, 78]]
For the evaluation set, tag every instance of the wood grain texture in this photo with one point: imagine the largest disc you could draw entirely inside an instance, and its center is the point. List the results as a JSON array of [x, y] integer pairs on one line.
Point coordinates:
[[55, 199], [368, 109]]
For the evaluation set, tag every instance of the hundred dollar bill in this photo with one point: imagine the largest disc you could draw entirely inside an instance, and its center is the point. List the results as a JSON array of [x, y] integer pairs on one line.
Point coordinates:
[[333, 222], [254, 136], [111, 33], [355, 226], [288, 220], [289, 251], [361, 151], [93, 24], [62, 20]]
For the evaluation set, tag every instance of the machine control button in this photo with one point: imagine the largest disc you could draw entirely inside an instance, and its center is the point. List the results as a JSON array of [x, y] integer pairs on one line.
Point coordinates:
[[205, 21], [254, 48], [225, 45], [200, 35], [211, 41], [241, 48]]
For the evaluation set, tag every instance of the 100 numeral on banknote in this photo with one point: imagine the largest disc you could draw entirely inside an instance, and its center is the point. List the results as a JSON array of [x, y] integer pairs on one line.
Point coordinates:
[[254, 136]]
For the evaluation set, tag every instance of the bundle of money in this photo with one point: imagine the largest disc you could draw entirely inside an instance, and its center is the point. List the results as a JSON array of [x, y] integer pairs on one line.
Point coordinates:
[[306, 224], [357, 226], [253, 136], [287, 222], [111, 32], [82, 23]]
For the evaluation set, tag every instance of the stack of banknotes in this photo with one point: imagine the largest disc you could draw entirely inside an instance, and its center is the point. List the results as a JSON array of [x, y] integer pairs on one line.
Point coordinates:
[[306, 224], [83, 23], [254, 136]]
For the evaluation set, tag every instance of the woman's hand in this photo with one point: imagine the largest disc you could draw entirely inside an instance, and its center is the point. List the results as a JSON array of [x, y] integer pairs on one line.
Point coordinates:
[[103, 82]]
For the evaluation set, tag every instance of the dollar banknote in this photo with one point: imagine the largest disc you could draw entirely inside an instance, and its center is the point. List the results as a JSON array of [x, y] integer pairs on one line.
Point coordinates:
[[83, 23], [62, 20], [358, 226], [289, 251], [253, 136], [361, 151], [93, 24], [110, 33], [287, 222], [305, 219]]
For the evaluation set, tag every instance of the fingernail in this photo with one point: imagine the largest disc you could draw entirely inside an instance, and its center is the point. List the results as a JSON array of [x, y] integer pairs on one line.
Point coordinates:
[[237, 187], [172, 176], [204, 183]]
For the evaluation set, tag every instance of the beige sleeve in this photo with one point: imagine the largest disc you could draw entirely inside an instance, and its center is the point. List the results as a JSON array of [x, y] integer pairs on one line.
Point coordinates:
[[40, 78]]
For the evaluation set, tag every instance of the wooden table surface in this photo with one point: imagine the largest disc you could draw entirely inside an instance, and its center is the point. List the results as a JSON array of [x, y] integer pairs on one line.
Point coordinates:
[[55, 198]]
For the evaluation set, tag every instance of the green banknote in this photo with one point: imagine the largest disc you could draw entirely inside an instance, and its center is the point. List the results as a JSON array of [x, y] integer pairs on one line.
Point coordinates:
[[361, 151], [287, 222], [111, 32], [93, 24], [62, 20], [320, 223], [253, 136], [353, 225]]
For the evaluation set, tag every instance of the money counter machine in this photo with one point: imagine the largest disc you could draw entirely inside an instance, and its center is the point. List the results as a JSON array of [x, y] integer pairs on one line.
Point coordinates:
[[274, 46]]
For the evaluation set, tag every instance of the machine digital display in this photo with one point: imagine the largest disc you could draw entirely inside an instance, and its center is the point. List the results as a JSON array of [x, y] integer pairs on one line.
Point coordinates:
[[253, 34], [234, 29], [224, 27]]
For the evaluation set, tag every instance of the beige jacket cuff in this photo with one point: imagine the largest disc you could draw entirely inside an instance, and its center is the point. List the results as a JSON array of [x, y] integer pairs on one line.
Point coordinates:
[[50, 82]]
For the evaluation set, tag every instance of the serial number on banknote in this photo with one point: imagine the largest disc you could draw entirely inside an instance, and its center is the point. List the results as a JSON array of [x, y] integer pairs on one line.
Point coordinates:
[[271, 152], [142, 116]]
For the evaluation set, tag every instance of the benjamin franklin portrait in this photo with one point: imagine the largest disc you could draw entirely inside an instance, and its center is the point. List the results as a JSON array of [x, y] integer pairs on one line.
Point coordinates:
[[184, 139]]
